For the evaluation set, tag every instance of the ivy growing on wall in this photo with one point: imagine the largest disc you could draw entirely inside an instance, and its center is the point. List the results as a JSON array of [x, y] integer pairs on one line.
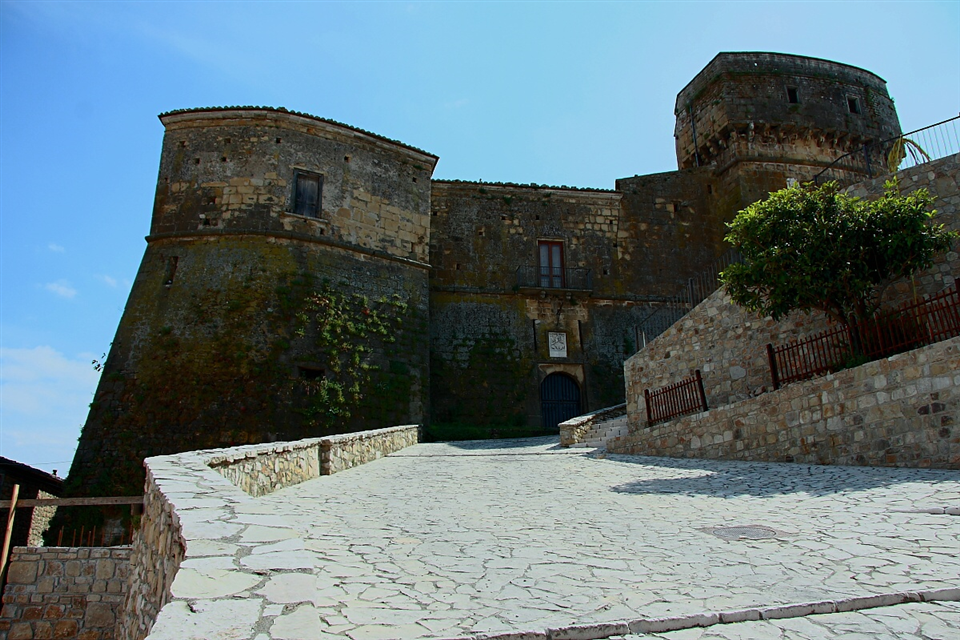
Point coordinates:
[[347, 328]]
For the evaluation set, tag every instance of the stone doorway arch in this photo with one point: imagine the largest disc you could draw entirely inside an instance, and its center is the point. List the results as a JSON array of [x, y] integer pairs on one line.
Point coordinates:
[[559, 400]]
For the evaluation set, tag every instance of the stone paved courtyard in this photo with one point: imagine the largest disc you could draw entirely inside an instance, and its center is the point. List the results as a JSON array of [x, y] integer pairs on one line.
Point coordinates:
[[447, 540]]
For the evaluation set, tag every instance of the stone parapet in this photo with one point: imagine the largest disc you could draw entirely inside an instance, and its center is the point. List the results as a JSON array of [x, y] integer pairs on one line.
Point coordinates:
[[573, 430], [901, 411], [341, 452], [263, 468], [64, 592], [196, 504]]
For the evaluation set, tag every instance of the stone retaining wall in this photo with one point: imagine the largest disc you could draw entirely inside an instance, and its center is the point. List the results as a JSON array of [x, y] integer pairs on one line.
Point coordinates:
[[64, 592], [899, 411], [573, 430], [192, 501]]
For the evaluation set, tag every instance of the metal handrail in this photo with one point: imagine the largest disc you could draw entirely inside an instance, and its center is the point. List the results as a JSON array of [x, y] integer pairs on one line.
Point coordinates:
[[937, 141], [571, 278]]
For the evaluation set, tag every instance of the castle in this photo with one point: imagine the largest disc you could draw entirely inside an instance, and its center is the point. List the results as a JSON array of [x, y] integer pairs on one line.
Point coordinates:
[[303, 277]]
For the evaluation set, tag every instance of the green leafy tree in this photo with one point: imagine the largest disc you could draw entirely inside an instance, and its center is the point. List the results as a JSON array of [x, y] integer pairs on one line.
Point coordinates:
[[809, 247]]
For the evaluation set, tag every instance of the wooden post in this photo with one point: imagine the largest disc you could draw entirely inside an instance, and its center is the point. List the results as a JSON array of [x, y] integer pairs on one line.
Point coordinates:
[[646, 399], [9, 534], [773, 366], [703, 396]]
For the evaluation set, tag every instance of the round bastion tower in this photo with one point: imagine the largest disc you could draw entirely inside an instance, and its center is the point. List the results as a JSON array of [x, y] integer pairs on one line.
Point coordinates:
[[271, 232], [761, 119]]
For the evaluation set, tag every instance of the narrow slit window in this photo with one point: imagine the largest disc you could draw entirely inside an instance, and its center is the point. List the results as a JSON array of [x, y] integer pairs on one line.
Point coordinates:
[[306, 194], [171, 270], [793, 96], [853, 104]]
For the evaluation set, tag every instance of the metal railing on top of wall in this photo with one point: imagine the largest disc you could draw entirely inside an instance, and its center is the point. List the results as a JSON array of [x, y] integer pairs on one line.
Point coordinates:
[[677, 399], [912, 325], [697, 289], [908, 150]]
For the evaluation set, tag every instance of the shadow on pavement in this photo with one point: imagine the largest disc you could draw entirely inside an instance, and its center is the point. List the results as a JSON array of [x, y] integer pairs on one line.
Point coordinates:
[[734, 478], [512, 443]]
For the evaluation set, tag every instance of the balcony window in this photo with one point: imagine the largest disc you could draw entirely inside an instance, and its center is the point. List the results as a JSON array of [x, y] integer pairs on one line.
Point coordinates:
[[551, 265]]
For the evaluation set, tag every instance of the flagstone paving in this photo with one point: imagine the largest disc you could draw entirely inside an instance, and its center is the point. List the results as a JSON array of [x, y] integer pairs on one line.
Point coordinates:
[[454, 539]]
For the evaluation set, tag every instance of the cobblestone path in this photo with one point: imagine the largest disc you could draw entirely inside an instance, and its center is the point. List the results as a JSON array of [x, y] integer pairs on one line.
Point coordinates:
[[447, 540]]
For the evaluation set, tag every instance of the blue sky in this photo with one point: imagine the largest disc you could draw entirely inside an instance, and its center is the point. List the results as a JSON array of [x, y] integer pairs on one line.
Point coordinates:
[[563, 93]]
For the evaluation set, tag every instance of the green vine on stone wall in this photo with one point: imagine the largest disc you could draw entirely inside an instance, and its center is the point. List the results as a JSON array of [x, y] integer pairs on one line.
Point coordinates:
[[347, 327]]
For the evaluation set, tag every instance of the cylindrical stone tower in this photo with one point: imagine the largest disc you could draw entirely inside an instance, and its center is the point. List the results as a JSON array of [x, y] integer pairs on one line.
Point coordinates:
[[283, 294], [761, 119]]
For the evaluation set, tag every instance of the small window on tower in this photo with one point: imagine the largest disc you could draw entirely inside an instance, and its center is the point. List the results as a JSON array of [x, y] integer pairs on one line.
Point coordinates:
[[307, 188], [853, 104], [793, 97]]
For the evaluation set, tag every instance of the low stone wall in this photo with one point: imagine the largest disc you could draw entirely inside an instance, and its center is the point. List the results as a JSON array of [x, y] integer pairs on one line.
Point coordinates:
[[64, 592], [899, 411], [573, 430], [196, 503], [263, 468], [157, 552], [341, 452]]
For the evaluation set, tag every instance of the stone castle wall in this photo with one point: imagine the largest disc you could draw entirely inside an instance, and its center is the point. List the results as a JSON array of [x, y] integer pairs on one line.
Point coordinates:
[[232, 170], [739, 108], [491, 319], [217, 339], [70, 593]]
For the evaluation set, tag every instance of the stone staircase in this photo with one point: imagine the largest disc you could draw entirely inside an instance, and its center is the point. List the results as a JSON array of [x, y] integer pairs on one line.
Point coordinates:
[[598, 434]]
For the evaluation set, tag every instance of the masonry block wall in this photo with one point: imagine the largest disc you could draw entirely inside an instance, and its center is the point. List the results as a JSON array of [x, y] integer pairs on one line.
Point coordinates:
[[64, 592], [901, 411]]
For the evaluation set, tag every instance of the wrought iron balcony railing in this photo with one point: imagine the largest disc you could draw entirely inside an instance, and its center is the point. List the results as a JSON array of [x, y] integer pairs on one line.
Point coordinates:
[[577, 279]]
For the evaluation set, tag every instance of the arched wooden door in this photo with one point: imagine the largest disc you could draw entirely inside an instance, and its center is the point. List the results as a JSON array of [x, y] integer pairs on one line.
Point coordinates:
[[559, 400]]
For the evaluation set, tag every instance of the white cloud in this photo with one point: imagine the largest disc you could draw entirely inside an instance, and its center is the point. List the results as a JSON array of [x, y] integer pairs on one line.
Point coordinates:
[[456, 104], [62, 288], [111, 282], [56, 248], [44, 398]]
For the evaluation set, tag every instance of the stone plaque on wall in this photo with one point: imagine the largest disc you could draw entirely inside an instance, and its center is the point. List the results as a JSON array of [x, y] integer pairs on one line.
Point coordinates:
[[558, 344]]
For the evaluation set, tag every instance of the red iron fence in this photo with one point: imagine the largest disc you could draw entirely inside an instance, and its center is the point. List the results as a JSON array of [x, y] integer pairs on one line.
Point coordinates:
[[912, 325], [676, 399]]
